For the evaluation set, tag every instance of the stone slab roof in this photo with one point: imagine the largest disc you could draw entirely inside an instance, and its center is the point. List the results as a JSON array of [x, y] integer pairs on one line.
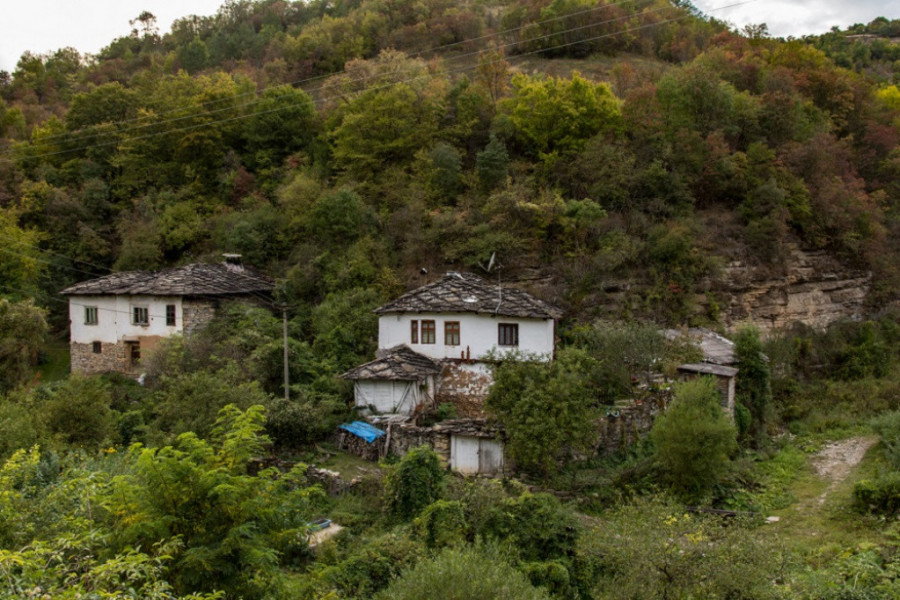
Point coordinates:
[[716, 349], [397, 363], [467, 293], [196, 279]]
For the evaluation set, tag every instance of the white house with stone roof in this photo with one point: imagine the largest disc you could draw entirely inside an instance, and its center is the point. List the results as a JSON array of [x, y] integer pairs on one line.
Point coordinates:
[[115, 319], [460, 323]]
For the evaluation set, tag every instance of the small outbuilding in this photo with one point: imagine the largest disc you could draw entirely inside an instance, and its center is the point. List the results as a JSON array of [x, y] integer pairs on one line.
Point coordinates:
[[719, 361], [396, 382]]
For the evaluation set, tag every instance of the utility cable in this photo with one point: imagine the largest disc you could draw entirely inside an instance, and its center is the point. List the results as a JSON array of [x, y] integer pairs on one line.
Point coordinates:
[[390, 84], [73, 134]]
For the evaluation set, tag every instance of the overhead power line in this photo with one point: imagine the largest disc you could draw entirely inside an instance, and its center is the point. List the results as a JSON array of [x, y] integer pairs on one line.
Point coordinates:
[[387, 85], [89, 133]]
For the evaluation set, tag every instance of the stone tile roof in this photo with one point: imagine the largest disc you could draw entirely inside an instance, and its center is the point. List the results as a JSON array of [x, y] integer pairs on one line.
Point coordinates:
[[466, 293], [716, 349], [196, 279], [397, 363]]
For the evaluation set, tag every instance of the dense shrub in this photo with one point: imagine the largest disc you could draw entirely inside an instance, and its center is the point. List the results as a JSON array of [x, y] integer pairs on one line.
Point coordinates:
[[888, 427], [537, 526], [462, 573], [693, 440], [415, 483], [881, 495], [654, 549], [442, 523]]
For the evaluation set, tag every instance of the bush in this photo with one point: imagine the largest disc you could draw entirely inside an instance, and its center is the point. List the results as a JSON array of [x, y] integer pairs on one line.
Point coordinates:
[[192, 401], [295, 423], [78, 412], [693, 440], [537, 525], [415, 483], [881, 495], [653, 549], [462, 573], [442, 523], [367, 569], [888, 427]]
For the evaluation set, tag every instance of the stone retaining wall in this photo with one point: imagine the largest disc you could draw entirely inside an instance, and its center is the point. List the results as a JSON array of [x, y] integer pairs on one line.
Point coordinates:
[[85, 361]]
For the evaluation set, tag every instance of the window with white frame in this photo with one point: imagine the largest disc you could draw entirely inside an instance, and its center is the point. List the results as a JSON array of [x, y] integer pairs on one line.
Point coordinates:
[[90, 315]]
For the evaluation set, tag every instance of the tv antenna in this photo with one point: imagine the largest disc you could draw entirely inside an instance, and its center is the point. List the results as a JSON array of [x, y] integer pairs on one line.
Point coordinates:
[[493, 265]]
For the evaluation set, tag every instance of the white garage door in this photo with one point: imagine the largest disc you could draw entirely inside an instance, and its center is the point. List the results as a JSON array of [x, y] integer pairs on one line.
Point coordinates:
[[470, 455]]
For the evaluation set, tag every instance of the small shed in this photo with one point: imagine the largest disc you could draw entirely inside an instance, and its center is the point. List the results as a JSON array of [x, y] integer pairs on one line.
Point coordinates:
[[725, 379], [719, 361], [396, 382]]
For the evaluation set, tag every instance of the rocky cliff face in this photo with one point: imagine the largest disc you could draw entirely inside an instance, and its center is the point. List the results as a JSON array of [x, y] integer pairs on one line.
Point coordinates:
[[814, 289]]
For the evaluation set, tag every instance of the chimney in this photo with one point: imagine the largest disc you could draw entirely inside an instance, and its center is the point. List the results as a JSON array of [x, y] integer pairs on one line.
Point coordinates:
[[233, 262]]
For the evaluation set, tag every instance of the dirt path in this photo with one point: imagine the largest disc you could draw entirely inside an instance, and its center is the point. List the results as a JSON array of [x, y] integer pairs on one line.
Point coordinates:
[[835, 461]]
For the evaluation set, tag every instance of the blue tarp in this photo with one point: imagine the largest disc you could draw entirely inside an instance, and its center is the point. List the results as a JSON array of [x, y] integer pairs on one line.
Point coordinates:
[[363, 430]]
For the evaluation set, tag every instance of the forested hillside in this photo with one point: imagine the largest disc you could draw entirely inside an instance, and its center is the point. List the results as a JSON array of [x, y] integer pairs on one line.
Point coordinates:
[[634, 148], [661, 146]]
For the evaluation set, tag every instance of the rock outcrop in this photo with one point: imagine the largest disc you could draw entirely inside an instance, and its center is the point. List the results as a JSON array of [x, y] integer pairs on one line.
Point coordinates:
[[815, 289]]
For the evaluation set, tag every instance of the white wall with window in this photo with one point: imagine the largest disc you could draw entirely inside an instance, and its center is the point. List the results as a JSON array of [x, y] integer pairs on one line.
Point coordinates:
[[110, 318], [450, 335]]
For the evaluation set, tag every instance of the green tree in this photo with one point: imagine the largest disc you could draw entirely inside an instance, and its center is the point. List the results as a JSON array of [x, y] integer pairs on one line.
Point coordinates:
[[21, 265], [194, 57], [191, 401], [754, 385], [22, 330], [382, 126], [555, 117], [547, 408], [284, 121], [78, 412], [107, 103], [693, 439], [492, 164], [627, 352], [236, 529], [416, 482]]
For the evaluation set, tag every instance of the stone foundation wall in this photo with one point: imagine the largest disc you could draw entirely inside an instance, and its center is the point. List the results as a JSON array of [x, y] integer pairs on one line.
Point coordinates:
[[403, 437], [626, 425], [197, 314], [86, 362], [465, 385]]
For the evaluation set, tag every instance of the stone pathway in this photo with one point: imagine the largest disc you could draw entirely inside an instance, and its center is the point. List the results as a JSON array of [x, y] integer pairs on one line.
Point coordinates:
[[835, 461]]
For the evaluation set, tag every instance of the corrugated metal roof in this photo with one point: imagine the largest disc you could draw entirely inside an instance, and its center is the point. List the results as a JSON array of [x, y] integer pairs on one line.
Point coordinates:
[[196, 279], [467, 293], [363, 430]]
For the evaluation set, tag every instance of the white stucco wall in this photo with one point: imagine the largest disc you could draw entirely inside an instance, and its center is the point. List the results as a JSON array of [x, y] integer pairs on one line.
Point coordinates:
[[114, 316], [477, 332]]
